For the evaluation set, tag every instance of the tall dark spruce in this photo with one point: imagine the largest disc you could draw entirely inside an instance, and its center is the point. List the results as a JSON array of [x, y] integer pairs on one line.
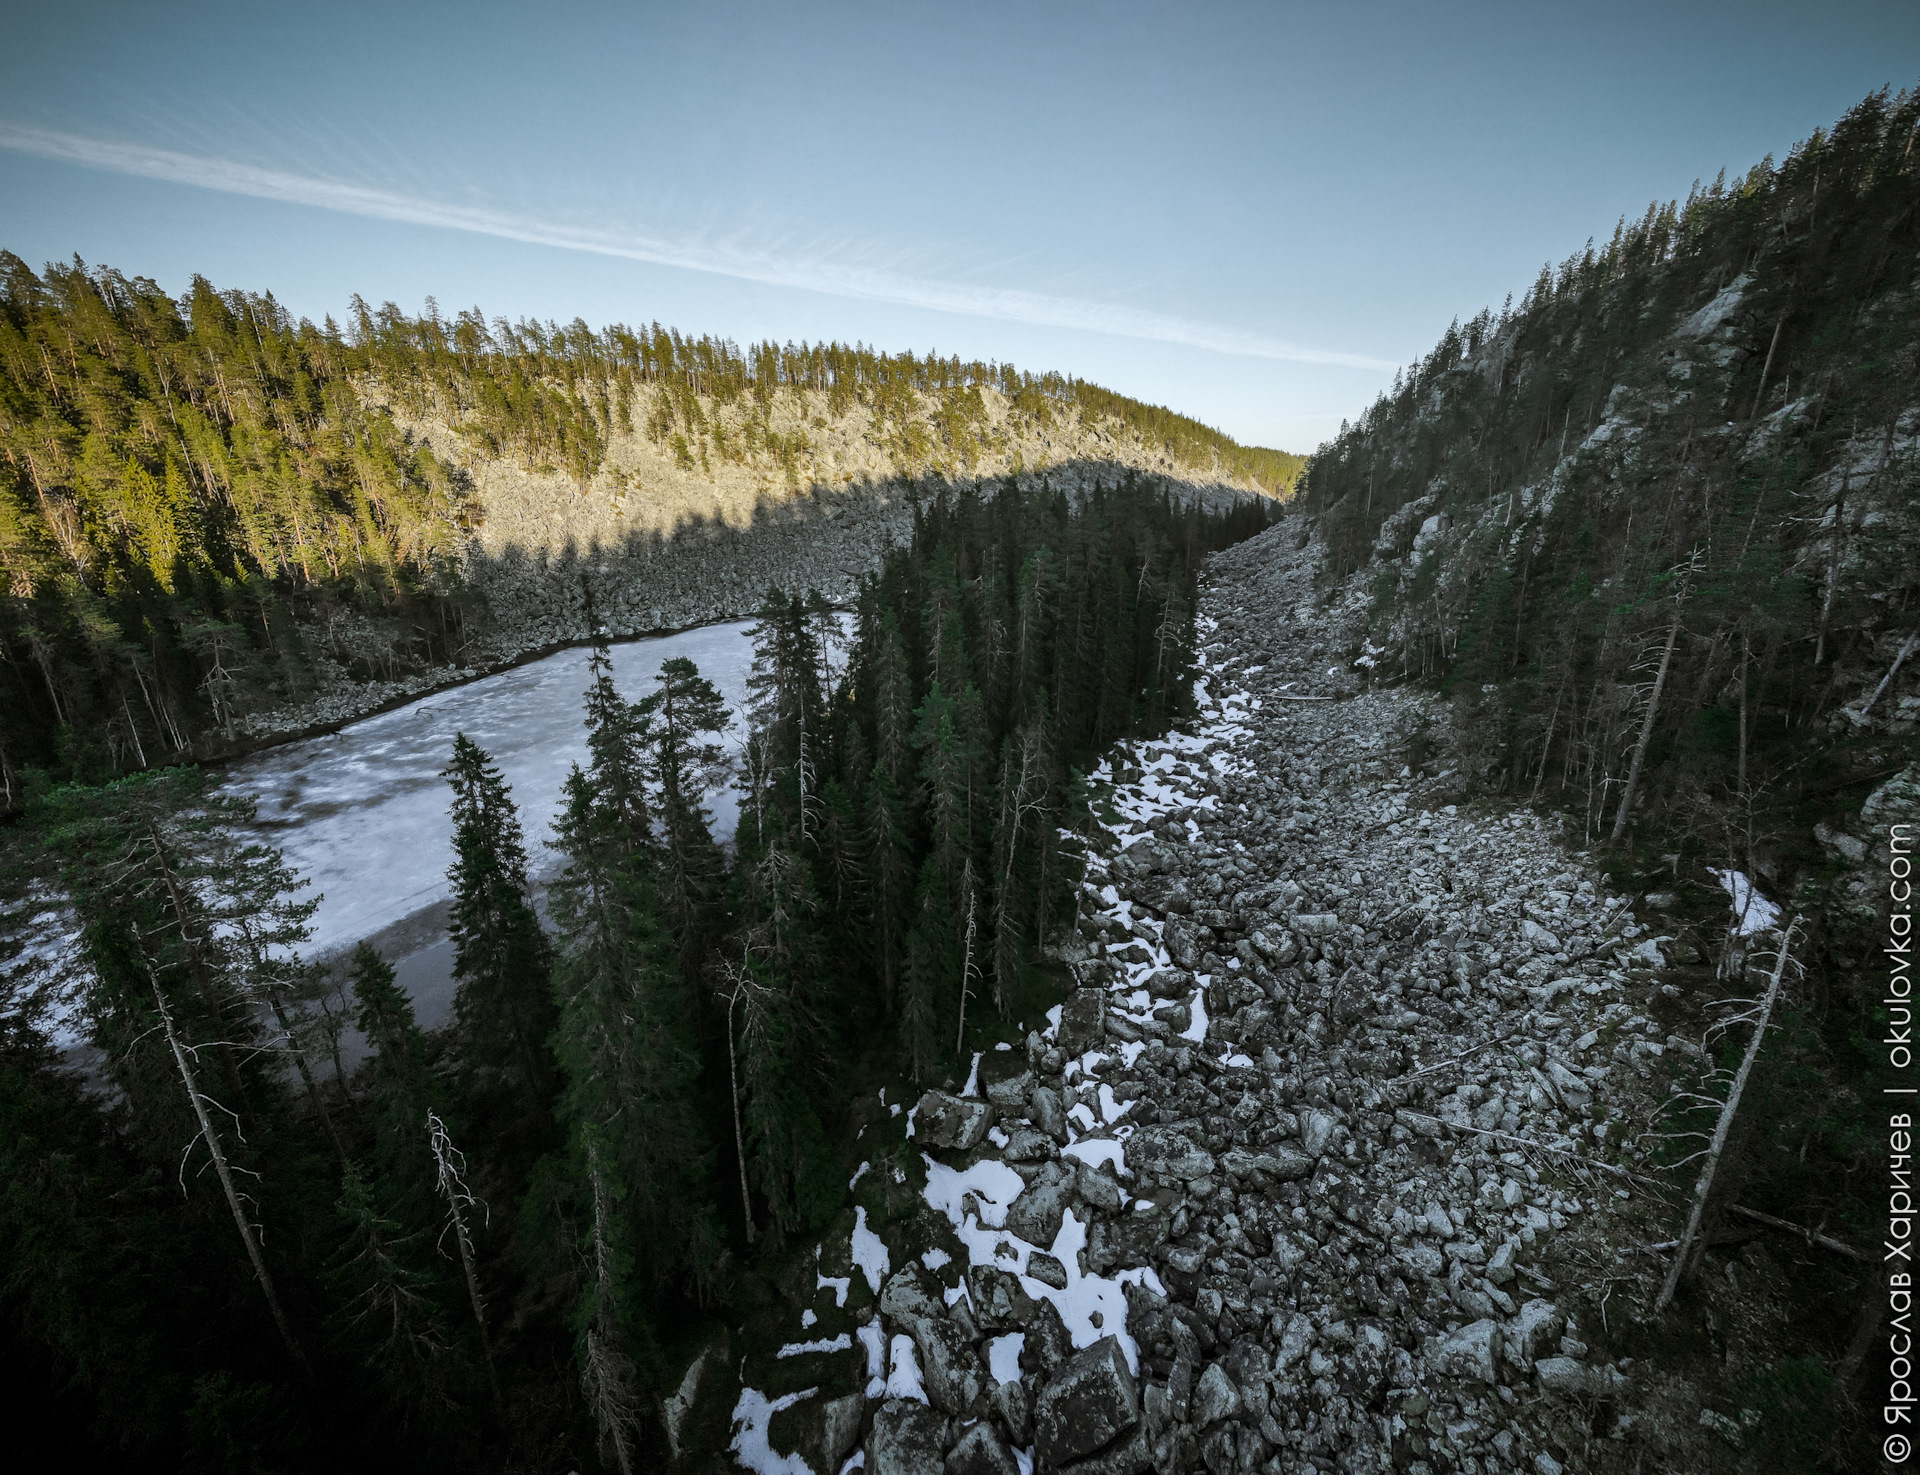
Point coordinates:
[[503, 962]]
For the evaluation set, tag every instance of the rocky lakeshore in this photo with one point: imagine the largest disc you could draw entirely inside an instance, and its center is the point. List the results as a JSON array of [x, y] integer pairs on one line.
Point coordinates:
[[716, 563]]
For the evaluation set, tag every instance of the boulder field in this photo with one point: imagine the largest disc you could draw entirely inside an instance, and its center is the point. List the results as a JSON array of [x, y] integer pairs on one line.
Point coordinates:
[[1300, 1175]]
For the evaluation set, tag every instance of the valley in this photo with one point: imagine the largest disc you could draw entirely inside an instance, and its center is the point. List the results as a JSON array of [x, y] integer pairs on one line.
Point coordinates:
[[1353, 1110]]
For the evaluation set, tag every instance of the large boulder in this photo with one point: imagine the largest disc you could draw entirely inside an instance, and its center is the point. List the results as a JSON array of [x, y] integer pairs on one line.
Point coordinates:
[[906, 1303], [1295, 1337], [1048, 1114], [1214, 1397], [1097, 1185], [1082, 1020], [1087, 1404], [1284, 1164], [1164, 1153], [1028, 1145], [840, 1426], [1318, 1131], [906, 1439], [1572, 1377], [951, 1122], [1047, 1345], [1014, 1410], [1036, 1214], [1275, 943], [1574, 1093], [948, 1364], [1183, 945], [1535, 1329], [982, 1450], [1538, 938], [1471, 1352], [1007, 1079], [1168, 895], [1131, 1454], [999, 1303]]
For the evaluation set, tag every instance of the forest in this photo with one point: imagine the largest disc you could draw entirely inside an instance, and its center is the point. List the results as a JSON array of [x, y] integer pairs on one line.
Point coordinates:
[[1686, 454], [1651, 531], [203, 495], [484, 1247]]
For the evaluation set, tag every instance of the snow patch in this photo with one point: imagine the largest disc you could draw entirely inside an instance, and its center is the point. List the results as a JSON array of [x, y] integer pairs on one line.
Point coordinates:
[[1003, 1357], [751, 1415], [869, 1252], [875, 1341], [1752, 912], [903, 1378], [1197, 1030], [838, 1284], [841, 1343], [1094, 1151]]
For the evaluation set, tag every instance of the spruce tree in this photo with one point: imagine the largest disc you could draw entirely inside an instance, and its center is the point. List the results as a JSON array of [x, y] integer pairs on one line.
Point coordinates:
[[684, 719], [390, 1305], [396, 1074], [636, 1144], [503, 1004]]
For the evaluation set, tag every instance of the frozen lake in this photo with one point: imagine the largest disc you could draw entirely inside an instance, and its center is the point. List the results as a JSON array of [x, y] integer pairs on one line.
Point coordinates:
[[363, 813]]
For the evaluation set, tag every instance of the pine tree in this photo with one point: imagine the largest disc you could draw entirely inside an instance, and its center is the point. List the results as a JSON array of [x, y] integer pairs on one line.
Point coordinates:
[[617, 744], [636, 1145], [940, 953]]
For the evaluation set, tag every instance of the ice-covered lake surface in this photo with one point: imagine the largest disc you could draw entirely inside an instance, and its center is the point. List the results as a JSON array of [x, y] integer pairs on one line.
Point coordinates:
[[363, 813]]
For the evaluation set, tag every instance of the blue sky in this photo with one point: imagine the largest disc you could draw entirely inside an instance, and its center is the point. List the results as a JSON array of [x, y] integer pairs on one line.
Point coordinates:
[[1248, 212]]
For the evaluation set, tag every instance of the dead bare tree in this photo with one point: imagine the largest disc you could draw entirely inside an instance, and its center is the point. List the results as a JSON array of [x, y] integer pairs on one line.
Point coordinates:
[[1653, 712], [183, 1053], [607, 1375], [1760, 1013], [967, 966], [741, 988], [449, 1182], [1892, 671], [1019, 799]]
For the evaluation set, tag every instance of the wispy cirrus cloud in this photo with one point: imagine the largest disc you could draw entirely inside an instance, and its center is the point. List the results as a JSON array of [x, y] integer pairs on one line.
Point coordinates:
[[810, 272]]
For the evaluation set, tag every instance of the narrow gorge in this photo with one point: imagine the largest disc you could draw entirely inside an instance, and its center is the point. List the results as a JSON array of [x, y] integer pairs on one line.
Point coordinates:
[[1340, 1156]]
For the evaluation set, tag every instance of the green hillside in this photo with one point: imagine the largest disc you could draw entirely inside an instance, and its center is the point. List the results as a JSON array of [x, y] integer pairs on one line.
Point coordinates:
[[192, 487]]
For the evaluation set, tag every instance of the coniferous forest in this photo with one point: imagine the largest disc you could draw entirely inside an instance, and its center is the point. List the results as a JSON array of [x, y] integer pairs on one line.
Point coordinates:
[[1687, 455], [1652, 531], [482, 1247], [199, 496]]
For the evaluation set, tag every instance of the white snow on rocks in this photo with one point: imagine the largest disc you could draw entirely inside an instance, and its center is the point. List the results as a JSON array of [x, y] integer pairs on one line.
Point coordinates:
[[976, 1201], [751, 1415], [903, 1371], [841, 1343], [869, 1252], [1752, 912]]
